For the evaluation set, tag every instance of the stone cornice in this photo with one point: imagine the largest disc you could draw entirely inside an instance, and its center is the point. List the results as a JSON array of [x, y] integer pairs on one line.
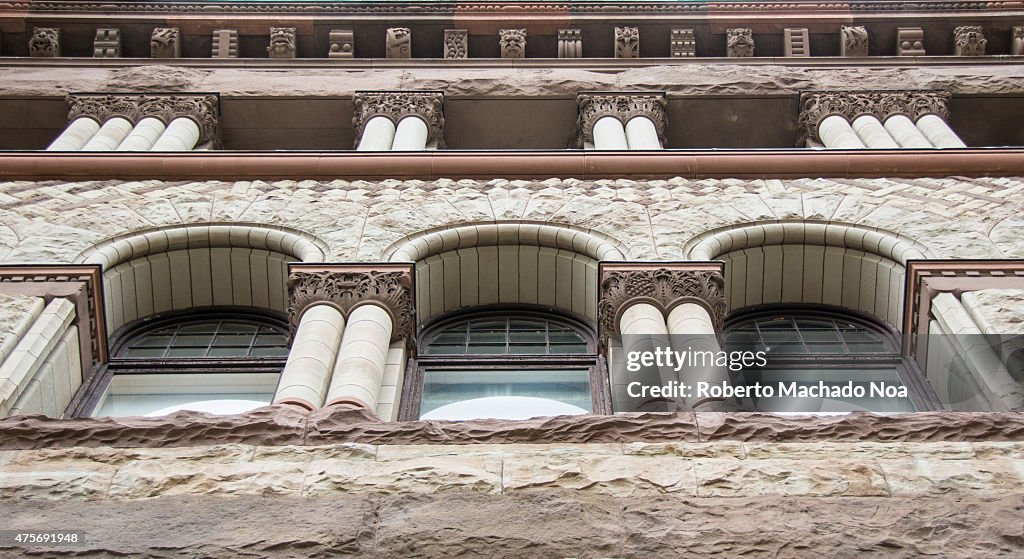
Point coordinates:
[[395, 105], [203, 108], [815, 106], [347, 286], [623, 106], [664, 285]]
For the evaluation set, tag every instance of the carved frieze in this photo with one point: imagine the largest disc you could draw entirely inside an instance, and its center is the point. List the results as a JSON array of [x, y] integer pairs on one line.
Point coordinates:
[[456, 43], [970, 40], [45, 42], [684, 44], [282, 42], [428, 105], [853, 40], [348, 287], [570, 43], [739, 42], [815, 106], [594, 106], [663, 287], [342, 44], [627, 42], [165, 42], [910, 41], [512, 43], [796, 42], [201, 108], [225, 43], [398, 43], [107, 43]]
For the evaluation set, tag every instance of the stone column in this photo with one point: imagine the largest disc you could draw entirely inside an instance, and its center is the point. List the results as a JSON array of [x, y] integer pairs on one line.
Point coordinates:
[[182, 134], [110, 135], [378, 135], [359, 371], [642, 134], [311, 359], [76, 135], [870, 131], [596, 108], [692, 328], [938, 132], [907, 135], [411, 135], [609, 134], [377, 301], [144, 135], [424, 111], [836, 132]]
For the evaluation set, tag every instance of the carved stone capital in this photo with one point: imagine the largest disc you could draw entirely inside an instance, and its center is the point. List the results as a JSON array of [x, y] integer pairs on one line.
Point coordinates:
[[624, 106], [666, 286], [201, 108], [512, 43], [282, 42], [815, 106], [739, 42], [45, 42], [428, 105], [627, 42], [853, 40], [970, 40], [349, 286], [165, 42]]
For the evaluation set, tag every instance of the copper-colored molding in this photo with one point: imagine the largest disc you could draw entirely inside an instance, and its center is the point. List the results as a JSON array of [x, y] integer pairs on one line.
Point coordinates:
[[928, 278], [430, 165], [67, 280]]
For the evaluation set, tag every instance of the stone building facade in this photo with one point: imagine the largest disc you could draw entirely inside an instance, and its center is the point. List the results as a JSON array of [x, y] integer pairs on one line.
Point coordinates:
[[312, 278]]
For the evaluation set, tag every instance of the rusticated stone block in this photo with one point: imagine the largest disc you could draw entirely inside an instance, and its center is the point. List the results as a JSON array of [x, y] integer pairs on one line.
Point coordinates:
[[621, 476], [932, 477], [411, 475], [749, 478]]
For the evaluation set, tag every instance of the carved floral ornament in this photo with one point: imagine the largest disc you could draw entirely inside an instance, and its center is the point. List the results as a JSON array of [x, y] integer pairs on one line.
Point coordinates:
[[665, 288], [395, 105], [817, 105], [347, 289], [595, 106], [201, 108]]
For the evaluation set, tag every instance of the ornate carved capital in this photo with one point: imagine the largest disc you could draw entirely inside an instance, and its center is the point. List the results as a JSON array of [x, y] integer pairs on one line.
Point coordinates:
[[349, 286], [282, 42], [665, 286], [45, 42], [202, 108], [623, 106], [739, 42], [970, 40], [512, 43], [815, 106], [428, 105], [165, 43]]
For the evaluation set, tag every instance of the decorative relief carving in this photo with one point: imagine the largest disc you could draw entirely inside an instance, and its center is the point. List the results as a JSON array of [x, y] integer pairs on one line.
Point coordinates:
[[512, 43], [664, 288], [816, 106], [398, 43], [739, 42], [910, 41], [201, 108], [282, 42], [428, 105], [627, 42], [570, 43], [594, 106], [107, 43], [970, 40], [225, 43], [684, 44], [45, 42], [456, 43], [342, 44], [165, 43], [1017, 40], [853, 40], [347, 289], [796, 42]]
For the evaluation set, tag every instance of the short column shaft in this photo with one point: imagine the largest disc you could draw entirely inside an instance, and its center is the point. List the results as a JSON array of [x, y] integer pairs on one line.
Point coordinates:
[[182, 134], [610, 134], [642, 134], [143, 136], [76, 135], [907, 135], [312, 358], [109, 135], [378, 134], [870, 131], [836, 132], [411, 135], [938, 132], [359, 371]]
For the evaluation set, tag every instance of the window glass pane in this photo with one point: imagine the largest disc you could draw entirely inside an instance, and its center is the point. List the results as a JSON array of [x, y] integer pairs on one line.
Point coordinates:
[[144, 352], [154, 341], [201, 328], [238, 328], [486, 348], [272, 351], [192, 339], [509, 394], [235, 340], [446, 349], [187, 352], [533, 337], [518, 336], [228, 352], [271, 340]]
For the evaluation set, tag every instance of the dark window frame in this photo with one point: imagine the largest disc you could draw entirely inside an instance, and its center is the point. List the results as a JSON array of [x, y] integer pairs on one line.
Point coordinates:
[[412, 388]]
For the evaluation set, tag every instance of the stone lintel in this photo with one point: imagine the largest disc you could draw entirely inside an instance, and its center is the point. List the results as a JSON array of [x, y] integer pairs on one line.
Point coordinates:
[[203, 108], [347, 286], [395, 105], [594, 106], [815, 106]]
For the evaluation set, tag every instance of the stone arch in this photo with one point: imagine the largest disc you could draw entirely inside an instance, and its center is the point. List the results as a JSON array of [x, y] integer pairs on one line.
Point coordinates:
[[506, 263], [849, 266], [198, 265]]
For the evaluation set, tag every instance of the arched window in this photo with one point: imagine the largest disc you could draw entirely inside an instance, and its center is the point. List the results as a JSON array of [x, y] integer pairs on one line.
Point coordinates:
[[216, 360], [830, 360], [511, 364]]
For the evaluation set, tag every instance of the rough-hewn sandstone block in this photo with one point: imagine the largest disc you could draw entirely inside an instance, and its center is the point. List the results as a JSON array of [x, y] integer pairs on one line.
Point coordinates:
[[746, 478], [622, 476]]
